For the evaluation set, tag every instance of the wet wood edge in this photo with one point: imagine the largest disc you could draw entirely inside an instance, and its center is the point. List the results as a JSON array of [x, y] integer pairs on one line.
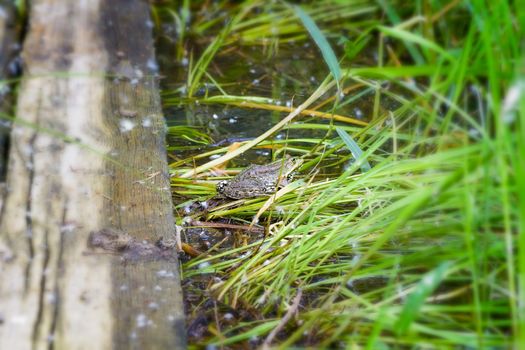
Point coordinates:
[[88, 155], [9, 46], [148, 297]]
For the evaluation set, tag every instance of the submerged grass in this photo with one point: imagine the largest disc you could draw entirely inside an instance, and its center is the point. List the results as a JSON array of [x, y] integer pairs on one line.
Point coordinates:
[[424, 246]]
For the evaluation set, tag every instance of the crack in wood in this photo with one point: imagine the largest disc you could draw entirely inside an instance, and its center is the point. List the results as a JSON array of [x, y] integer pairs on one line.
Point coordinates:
[[41, 292], [58, 267], [28, 218]]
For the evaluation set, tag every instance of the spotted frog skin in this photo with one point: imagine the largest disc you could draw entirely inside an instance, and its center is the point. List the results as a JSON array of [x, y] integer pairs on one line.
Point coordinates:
[[259, 180]]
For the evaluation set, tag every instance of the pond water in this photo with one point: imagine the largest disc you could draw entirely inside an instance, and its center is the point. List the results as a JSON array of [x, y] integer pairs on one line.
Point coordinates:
[[286, 78]]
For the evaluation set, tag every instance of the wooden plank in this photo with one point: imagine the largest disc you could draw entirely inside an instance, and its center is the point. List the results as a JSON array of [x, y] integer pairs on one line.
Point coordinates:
[[88, 164]]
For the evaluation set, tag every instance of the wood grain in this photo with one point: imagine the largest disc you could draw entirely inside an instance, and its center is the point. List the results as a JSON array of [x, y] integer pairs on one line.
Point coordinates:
[[88, 155]]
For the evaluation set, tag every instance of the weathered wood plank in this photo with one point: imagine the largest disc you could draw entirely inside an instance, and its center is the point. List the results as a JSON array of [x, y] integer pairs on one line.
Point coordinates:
[[88, 156]]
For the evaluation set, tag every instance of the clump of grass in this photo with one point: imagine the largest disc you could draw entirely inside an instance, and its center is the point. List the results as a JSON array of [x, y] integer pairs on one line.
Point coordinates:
[[425, 246]]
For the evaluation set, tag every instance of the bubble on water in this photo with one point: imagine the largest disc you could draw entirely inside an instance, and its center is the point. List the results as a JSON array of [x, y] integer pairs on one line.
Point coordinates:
[[184, 61], [215, 116], [228, 316], [204, 265], [358, 112]]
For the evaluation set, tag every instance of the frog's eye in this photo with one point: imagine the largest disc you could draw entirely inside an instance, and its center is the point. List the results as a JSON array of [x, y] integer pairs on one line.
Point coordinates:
[[221, 186]]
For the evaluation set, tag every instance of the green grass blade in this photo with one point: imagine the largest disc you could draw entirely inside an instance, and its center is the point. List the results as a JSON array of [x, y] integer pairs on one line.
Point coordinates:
[[322, 43], [407, 36], [354, 148], [394, 18], [417, 298]]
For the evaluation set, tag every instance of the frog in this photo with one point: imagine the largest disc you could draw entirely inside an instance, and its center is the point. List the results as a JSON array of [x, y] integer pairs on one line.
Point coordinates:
[[260, 180]]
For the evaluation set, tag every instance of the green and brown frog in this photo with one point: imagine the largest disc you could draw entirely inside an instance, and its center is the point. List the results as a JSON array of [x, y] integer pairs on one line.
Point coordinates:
[[260, 180]]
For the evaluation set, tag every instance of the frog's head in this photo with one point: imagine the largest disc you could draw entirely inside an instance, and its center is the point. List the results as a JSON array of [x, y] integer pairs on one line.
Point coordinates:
[[221, 186], [288, 171], [290, 167]]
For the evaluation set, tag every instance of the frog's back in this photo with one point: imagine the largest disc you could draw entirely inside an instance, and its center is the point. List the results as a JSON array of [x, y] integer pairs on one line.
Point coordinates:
[[245, 189], [257, 180]]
